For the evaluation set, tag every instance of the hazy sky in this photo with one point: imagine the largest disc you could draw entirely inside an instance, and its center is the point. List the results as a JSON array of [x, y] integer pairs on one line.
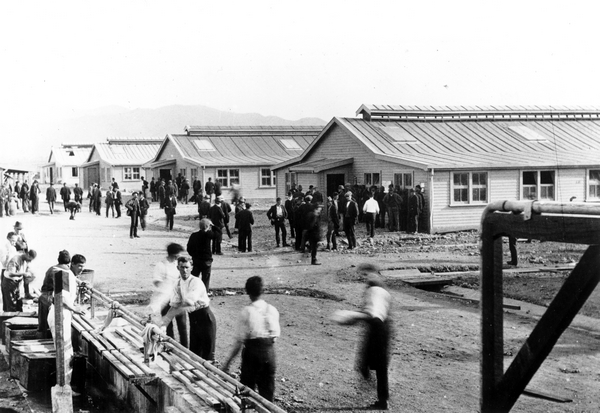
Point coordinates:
[[292, 59]]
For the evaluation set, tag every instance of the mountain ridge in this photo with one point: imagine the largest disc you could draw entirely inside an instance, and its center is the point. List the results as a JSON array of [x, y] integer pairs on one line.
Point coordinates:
[[96, 125]]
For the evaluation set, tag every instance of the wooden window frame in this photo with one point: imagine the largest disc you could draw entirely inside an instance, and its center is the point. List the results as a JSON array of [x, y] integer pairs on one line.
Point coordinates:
[[469, 187], [132, 173], [228, 178], [588, 184], [538, 184], [262, 177]]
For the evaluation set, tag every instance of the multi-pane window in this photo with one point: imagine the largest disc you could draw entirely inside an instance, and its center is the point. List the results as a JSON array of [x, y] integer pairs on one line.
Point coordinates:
[[74, 172], [194, 173], [131, 173], [228, 177], [479, 186], [594, 185], [403, 180], [267, 177], [469, 187], [461, 188], [538, 185], [372, 179], [182, 171]]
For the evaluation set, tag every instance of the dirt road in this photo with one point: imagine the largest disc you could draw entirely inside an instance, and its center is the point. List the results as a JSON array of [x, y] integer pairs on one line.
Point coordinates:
[[435, 362]]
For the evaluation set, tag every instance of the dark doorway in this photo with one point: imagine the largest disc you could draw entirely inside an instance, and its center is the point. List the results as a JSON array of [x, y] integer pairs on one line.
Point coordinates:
[[52, 174], [333, 181], [165, 174]]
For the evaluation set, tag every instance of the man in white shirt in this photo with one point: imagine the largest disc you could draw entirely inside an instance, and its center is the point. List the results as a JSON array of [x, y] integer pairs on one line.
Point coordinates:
[[371, 210], [164, 278], [375, 352], [191, 299], [257, 330], [9, 250]]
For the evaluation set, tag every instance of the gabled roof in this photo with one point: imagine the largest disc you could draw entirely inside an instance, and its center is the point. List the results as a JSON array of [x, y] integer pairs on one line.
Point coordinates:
[[69, 155], [319, 165], [123, 152], [494, 142], [240, 146]]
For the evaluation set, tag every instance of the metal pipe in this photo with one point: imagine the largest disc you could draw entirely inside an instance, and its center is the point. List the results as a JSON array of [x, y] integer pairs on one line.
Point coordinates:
[[193, 358]]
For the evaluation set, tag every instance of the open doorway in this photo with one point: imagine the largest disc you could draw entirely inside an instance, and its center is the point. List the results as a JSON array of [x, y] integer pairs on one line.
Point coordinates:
[[165, 174], [333, 181]]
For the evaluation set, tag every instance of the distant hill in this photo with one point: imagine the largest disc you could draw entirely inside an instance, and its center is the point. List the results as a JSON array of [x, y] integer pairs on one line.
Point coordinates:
[[114, 121]]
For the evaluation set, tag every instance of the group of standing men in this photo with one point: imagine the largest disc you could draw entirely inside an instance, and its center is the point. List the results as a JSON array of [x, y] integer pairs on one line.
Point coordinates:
[[19, 196], [181, 298]]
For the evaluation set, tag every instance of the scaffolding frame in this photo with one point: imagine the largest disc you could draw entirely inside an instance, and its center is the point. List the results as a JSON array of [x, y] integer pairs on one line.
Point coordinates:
[[558, 222]]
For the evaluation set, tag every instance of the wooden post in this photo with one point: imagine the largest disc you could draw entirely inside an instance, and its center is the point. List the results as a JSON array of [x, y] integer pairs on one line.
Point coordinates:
[[561, 311], [492, 352], [62, 398]]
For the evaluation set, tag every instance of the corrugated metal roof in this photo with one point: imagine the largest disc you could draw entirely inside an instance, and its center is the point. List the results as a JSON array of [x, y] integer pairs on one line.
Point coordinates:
[[252, 130], [475, 113], [477, 144], [250, 146], [125, 139], [319, 165], [69, 155], [118, 154]]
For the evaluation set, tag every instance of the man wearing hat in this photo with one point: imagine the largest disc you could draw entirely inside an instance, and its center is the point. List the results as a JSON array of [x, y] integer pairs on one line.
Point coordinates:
[[204, 207], [277, 215], [350, 217], [51, 197], [21, 240], [217, 217]]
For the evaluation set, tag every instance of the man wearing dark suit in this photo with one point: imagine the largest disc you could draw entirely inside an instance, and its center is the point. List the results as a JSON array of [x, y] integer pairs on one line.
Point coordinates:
[[65, 195], [277, 215], [333, 221], [209, 188], [226, 215], [217, 217], [118, 200], [78, 193], [51, 197], [199, 248], [245, 220], [204, 207], [414, 209], [289, 209], [301, 223], [350, 217]]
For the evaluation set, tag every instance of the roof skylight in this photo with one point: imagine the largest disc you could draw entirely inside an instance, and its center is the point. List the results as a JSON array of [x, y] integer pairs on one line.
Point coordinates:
[[398, 134], [204, 145], [117, 149], [527, 134], [290, 145]]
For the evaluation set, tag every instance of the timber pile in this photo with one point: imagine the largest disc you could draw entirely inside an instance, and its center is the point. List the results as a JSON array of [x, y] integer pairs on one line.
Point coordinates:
[[33, 362]]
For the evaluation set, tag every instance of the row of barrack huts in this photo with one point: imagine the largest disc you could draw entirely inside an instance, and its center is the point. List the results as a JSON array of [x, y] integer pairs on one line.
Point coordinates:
[[462, 157]]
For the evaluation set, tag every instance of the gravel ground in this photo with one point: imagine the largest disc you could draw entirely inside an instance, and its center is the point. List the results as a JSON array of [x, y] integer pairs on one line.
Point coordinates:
[[435, 362]]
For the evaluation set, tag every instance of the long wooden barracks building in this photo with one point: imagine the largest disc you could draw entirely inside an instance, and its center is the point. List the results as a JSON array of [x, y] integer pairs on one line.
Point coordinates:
[[463, 157], [232, 155]]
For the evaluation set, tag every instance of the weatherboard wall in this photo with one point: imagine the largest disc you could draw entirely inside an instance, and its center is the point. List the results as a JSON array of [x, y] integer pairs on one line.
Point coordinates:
[[250, 176], [502, 185]]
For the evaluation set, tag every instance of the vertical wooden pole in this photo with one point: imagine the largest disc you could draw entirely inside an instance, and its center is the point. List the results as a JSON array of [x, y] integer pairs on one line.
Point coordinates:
[[492, 338], [58, 329], [62, 397], [564, 307]]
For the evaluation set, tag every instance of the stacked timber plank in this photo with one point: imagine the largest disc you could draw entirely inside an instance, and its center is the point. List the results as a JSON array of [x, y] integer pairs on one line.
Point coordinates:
[[33, 363]]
